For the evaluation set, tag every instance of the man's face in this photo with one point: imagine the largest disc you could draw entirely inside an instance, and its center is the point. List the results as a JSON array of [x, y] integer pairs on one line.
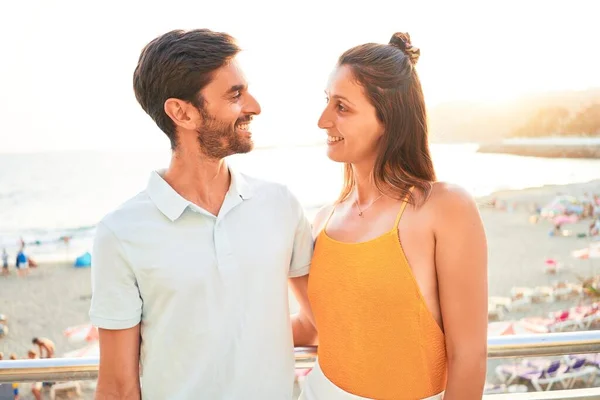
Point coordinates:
[[226, 114]]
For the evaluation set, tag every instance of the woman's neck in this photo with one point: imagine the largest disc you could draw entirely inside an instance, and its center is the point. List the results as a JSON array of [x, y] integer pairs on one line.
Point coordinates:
[[365, 190]]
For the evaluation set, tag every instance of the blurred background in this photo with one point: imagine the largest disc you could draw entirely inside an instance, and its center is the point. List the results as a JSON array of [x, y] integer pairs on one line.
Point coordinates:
[[513, 95]]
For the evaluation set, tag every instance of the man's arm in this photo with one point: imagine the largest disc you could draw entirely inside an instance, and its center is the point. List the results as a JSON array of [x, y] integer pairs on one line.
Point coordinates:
[[119, 375], [116, 310], [461, 262], [303, 324], [47, 349]]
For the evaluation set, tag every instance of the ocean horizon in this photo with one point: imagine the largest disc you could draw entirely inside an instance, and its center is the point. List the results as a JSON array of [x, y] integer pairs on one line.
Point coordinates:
[[46, 196]]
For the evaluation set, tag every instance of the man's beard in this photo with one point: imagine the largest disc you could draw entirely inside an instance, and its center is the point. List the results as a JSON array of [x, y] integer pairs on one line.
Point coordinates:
[[219, 139]]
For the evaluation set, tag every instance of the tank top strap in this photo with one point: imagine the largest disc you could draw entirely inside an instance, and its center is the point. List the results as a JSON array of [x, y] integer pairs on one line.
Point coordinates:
[[328, 218], [403, 207]]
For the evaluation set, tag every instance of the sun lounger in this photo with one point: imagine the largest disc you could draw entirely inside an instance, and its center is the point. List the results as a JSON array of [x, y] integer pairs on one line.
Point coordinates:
[[590, 359], [502, 388], [565, 375], [509, 373], [495, 313], [534, 374], [65, 388]]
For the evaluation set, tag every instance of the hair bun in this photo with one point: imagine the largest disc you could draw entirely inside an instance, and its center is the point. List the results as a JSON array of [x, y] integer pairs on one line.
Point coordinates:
[[401, 40]]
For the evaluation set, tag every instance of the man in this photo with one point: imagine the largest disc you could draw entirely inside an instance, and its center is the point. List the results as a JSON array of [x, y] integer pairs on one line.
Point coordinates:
[[45, 346], [4, 262], [21, 263], [36, 387], [189, 276]]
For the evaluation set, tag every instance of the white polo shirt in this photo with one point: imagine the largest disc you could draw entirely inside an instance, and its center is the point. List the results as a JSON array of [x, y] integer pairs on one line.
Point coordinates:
[[210, 292]]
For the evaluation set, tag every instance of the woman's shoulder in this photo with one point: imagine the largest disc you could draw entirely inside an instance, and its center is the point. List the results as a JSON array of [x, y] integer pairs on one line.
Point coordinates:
[[444, 194], [321, 218], [451, 206]]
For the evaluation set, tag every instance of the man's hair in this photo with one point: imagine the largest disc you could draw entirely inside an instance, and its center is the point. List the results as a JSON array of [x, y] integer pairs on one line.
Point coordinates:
[[179, 64], [35, 340]]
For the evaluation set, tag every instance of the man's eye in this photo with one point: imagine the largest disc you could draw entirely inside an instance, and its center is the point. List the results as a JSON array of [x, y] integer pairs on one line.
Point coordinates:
[[237, 95]]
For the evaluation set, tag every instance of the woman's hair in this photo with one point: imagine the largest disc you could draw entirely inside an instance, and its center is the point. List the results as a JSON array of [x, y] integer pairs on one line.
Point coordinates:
[[389, 79]]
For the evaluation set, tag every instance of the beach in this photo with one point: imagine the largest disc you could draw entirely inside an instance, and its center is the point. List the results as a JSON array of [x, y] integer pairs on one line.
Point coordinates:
[[56, 295]]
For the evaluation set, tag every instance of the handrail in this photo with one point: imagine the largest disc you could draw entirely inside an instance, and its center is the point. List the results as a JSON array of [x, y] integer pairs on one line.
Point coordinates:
[[574, 394], [544, 345], [551, 344]]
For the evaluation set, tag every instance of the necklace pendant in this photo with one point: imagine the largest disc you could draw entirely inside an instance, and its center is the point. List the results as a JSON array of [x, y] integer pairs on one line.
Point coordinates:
[[360, 214]]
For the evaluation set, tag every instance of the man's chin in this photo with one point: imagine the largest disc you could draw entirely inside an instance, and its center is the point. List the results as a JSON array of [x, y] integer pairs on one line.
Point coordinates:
[[246, 146], [242, 148]]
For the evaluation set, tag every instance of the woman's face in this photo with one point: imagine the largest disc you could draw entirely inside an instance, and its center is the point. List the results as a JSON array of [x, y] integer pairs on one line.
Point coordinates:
[[350, 120]]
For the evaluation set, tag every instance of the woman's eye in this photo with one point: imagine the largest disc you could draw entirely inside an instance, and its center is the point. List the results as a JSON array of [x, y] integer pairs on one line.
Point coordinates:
[[342, 108]]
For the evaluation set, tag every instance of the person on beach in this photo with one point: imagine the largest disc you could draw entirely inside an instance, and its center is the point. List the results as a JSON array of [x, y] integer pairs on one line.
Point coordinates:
[[46, 346], [21, 263], [594, 229], [4, 262], [190, 276], [398, 282], [36, 387], [15, 385]]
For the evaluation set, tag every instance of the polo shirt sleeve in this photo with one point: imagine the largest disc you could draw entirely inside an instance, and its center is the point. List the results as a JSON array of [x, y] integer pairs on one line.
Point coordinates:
[[303, 241], [116, 301]]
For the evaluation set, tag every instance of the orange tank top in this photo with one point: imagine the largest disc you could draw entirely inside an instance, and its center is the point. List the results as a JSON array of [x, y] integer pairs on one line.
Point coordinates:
[[377, 338]]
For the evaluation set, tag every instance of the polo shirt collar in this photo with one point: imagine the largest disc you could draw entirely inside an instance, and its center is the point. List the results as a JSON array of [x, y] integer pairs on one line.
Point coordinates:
[[172, 204]]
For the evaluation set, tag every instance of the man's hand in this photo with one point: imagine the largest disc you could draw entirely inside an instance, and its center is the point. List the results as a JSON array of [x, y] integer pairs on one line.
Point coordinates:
[[303, 324]]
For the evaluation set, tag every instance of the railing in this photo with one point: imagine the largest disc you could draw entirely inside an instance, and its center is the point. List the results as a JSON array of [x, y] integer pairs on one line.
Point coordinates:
[[553, 344]]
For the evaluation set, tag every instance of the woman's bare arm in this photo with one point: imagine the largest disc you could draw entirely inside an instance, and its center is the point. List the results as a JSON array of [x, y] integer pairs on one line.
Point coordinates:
[[461, 264]]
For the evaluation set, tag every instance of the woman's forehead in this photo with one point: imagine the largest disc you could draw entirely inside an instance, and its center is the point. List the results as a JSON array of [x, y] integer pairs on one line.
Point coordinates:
[[343, 83]]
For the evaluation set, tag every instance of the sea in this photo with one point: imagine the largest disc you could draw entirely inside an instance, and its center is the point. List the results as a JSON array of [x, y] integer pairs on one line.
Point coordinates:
[[45, 197]]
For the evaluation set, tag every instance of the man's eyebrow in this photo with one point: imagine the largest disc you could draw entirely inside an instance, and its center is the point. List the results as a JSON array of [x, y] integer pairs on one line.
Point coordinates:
[[236, 88], [336, 96]]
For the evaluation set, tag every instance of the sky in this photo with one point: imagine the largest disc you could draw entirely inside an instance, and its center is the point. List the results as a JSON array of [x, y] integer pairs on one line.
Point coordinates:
[[66, 66]]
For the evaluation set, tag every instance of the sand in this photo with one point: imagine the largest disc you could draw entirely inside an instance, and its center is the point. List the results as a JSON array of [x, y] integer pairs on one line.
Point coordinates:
[[54, 297]]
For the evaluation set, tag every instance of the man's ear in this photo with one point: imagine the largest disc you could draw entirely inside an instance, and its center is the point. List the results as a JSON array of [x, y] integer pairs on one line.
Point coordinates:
[[182, 113]]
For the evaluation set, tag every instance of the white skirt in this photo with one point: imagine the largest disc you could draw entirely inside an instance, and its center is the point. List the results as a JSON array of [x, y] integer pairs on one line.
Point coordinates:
[[318, 387]]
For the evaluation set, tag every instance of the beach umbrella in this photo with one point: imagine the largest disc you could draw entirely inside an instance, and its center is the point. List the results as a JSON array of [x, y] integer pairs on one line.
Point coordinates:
[[565, 219], [91, 350], [82, 333], [561, 205], [552, 210], [521, 327]]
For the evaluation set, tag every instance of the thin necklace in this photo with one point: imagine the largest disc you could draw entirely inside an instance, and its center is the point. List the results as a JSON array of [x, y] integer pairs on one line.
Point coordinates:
[[360, 212]]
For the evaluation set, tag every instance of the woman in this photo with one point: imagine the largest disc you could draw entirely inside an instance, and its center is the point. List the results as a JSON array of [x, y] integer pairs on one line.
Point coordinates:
[[398, 282]]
